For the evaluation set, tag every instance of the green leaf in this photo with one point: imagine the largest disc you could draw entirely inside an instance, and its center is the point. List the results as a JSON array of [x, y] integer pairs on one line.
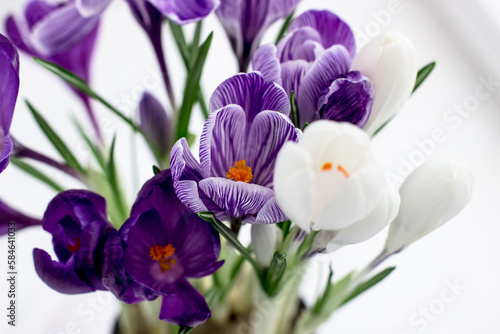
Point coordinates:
[[192, 87], [114, 183], [423, 74], [156, 170], [275, 273], [324, 297], [99, 157], [230, 237], [180, 40], [184, 330], [367, 285], [284, 27], [285, 227], [33, 171], [294, 112], [306, 245], [196, 42], [56, 141]]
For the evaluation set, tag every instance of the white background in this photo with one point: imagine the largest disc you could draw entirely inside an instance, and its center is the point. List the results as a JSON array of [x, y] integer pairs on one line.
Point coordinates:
[[461, 35]]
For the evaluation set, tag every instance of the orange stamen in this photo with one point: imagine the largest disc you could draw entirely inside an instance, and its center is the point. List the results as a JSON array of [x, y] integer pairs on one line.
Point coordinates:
[[74, 248], [343, 171], [240, 172], [327, 166], [162, 254]]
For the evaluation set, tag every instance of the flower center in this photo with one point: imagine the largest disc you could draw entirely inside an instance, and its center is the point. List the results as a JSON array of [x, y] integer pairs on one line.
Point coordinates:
[[328, 166], [74, 248], [240, 172], [163, 255]]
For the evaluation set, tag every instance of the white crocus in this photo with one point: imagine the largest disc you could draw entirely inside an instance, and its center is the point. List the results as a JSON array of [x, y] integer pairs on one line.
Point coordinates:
[[329, 180], [431, 195], [264, 242], [390, 62], [382, 215]]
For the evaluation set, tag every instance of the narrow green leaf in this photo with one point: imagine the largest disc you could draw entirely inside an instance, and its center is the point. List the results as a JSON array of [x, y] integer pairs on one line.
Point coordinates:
[[367, 285], [275, 273], [285, 227], [294, 112], [229, 236], [156, 170], [284, 27], [184, 330], [192, 87], [180, 40], [33, 171], [423, 74], [114, 183], [99, 157], [306, 245], [56, 141], [324, 297], [196, 42]]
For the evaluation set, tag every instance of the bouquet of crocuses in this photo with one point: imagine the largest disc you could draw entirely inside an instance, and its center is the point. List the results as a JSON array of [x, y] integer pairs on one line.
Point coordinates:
[[285, 148]]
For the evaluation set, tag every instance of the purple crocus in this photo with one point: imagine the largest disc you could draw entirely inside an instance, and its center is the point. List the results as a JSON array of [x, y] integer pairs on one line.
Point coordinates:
[[165, 244], [156, 123], [247, 127], [58, 33], [9, 88], [313, 60], [9, 215], [78, 223], [185, 11], [246, 21]]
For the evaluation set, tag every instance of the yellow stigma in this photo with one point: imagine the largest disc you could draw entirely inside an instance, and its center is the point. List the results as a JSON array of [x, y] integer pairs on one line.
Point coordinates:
[[240, 172], [327, 166], [162, 254]]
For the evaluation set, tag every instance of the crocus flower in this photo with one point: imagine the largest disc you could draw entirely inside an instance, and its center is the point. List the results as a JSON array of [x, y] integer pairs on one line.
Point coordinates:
[[79, 227], [156, 123], [165, 244], [185, 11], [59, 34], [9, 88], [10, 215], [431, 195], [247, 127], [382, 215], [245, 22], [313, 60], [265, 239], [390, 61], [329, 180]]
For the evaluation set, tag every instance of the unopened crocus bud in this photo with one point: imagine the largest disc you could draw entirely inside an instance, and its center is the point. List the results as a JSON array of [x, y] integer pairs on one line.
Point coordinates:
[[431, 195], [264, 237], [390, 62], [156, 122]]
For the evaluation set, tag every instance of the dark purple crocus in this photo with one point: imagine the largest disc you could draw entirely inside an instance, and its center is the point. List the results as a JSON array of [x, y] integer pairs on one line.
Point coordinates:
[[313, 60], [9, 88], [246, 21], [78, 223], [165, 244], [58, 33], [156, 123], [9, 215], [185, 11], [247, 127]]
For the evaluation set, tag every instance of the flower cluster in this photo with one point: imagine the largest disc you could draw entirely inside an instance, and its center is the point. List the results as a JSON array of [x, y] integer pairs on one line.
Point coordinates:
[[285, 147]]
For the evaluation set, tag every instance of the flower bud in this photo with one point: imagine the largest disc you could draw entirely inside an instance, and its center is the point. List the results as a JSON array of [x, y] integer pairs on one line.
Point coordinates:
[[155, 122], [264, 239], [390, 62], [431, 195]]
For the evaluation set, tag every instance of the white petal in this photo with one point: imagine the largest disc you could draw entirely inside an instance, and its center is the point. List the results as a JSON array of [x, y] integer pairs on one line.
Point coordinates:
[[264, 242]]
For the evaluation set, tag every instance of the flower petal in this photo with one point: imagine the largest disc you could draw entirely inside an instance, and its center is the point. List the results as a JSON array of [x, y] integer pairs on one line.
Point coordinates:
[[270, 213], [185, 11], [292, 73], [266, 62], [9, 214], [186, 307], [311, 96], [252, 93], [9, 85], [88, 8], [155, 122], [238, 199], [300, 44], [58, 276]]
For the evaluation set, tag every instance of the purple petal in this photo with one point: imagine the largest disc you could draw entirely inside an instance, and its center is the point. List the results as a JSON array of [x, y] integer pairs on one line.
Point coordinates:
[[19, 34], [223, 141], [292, 73], [281, 8], [155, 122], [9, 214], [148, 17], [300, 44], [187, 307], [268, 133], [186, 173], [8, 50], [329, 26], [252, 93], [270, 213], [5, 154], [349, 100], [88, 8], [150, 230], [58, 276], [185, 11], [315, 84], [116, 280], [62, 29], [266, 62], [9, 84], [237, 199]]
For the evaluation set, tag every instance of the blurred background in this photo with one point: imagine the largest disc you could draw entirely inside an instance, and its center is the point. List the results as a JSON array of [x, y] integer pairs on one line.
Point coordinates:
[[445, 283]]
